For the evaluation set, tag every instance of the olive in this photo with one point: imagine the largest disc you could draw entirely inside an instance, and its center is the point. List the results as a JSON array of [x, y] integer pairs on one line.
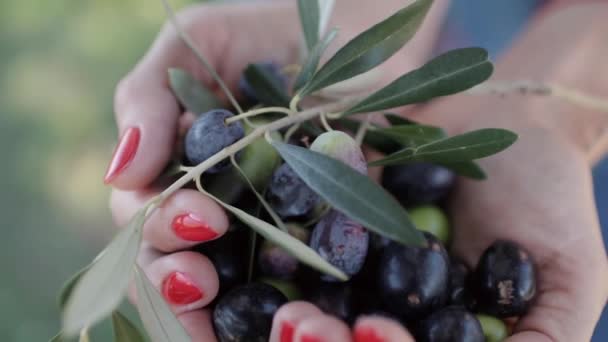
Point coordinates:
[[245, 313], [431, 219], [336, 299], [274, 261], [450, 324], [289, 196], [413, 280], [459, 282], [342, 147], [418, 183], [493, 328], [505, 280]]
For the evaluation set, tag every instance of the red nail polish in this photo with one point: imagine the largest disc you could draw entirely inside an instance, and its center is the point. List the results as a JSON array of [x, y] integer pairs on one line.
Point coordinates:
[[287, 331], [123, 154], [179, 289], [310, 338], [191, 228], [367, 334]]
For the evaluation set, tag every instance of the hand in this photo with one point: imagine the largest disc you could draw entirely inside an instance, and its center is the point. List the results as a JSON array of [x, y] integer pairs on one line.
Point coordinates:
[[150, 122], [539, 192]]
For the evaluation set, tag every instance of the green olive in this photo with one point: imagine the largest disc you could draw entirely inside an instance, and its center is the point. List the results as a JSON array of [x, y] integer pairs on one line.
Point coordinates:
[[289, 289], [341, 146], [431, 219], [493, 328]]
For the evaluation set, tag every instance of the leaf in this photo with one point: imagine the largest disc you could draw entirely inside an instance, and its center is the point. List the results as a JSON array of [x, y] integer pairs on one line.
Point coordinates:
[[124, 330], [161, 324], [450, 73], [310, 18], [351, 193], [378, 141], [325, 9], [396, 119], [68, 287], [468, 169], [290, 244], [371, 47], [312, 62], [84, 335], [413, 135], [57, 338], [266, 87], [192, 94], [465, 147], [100, 289]]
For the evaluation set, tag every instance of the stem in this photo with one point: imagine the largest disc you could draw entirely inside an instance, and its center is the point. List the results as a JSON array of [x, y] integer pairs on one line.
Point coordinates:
[[199, 55], [363, 129], [255, 112], [256, 133], [325, 123], [293, 104]]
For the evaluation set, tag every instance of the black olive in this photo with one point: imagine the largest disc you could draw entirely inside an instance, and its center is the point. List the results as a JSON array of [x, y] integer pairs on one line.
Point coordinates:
[[451, 324], [419, 183]]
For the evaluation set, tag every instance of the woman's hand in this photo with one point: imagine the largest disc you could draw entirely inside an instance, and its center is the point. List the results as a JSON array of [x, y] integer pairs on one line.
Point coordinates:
[[150, 122]]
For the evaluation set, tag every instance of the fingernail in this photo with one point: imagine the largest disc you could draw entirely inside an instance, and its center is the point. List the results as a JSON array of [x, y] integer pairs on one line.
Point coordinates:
[[310, 338], [367, 334], [287, 331], [123, 154], [191, 228], [179, 289]]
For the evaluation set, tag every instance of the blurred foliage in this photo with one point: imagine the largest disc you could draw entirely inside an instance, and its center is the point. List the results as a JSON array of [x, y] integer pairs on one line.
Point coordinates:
[[60, 61]]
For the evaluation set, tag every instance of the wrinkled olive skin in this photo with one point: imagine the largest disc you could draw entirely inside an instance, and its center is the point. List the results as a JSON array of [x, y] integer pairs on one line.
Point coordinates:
[[451, 324], [342, 147], [413, 281], [459, 282], [341, 241], [275, 261], [418, 183], [245, 313], [289, 196], [505, 280], [336, 299]]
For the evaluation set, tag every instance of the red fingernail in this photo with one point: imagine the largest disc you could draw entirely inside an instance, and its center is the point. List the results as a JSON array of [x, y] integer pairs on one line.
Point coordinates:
[[191, 228], [123, 154], [287, 331], [179, 289], [310, 338], [367, 334]]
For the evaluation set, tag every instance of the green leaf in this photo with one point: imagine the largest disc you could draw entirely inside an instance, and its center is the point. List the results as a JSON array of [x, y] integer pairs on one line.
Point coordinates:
[[312, 62], [371, 47], [413, 135], [68, 287], [450, 73], [397, 120], [101, 289], [325, 9], [310, 15], [468, 169], [192, 94], [351, 193], [289, 243], [266, 87], [57, 338], [124, 330], [465, 147], [161, 324]]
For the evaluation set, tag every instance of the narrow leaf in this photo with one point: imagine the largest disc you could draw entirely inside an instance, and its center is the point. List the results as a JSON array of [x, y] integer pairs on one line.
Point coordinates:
[[396, 119], [468, 169], [450, 73], [161, 324], [325, 9], [68, 287], [310, 18], [290, 244], [351, 193], [266, 87], [101, 289], [57, 338], [124, 330], [192, 94], [371, 47], [312, 62], [413, 135], [465, 147], [84, 335]]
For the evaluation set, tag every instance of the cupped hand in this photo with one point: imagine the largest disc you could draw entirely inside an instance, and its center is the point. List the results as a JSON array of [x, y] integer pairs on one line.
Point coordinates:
[[150, 122]]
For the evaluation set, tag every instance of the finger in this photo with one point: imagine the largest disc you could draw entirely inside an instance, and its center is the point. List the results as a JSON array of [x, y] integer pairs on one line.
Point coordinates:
[[287, 319], [322, 328], [380, 329], [198, 325], [185, 219], [187, 280]]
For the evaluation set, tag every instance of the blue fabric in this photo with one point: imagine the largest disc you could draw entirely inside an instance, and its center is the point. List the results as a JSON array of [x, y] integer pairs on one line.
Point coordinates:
[[493, 25]]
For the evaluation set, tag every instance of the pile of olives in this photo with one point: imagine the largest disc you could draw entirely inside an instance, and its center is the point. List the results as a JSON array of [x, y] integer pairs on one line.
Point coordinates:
[[437, 296]]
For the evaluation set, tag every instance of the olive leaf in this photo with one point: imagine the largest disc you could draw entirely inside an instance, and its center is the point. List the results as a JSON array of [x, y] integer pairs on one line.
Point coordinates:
[[68, 286], [450, 73], [312, 62], [192, 94], [124, 330], [371, 47], [57, 338], [267, 88], [310, 15], [101, 288], [84, 335], [397, 120], [351, 193], [412, 134], [374, 139], [325, 9], [468, 169], [161, 324], [289, 243], [465, 147]]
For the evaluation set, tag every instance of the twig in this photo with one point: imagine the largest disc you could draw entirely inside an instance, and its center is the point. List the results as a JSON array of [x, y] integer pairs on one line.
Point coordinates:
[[363, 129], [259, 111], [325, 123], [190, 44]]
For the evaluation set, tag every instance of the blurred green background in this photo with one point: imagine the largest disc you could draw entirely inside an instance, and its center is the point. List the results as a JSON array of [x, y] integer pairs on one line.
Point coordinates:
[[60, 61]]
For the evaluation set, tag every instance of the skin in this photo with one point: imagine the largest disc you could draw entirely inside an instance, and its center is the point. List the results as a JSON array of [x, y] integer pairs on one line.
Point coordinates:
[[552, 215]]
